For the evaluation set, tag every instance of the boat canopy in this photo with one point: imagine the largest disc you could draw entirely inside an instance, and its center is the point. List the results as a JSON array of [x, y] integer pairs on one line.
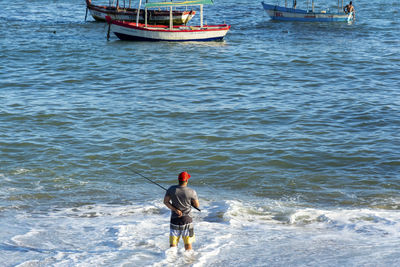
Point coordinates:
[[181, 3]]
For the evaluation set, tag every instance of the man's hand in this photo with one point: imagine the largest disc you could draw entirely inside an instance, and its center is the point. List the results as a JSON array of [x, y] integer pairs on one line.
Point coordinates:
[[167, 203], [178, 212]]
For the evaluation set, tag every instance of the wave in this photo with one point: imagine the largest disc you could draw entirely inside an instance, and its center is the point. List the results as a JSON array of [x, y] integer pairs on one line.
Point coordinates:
[[137, 235]]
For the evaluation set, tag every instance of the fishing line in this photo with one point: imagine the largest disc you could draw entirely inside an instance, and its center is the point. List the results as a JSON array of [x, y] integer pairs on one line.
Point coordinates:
[[148, 179]]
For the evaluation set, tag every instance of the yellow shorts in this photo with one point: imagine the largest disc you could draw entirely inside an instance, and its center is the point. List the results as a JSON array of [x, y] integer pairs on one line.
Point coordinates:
[[186, 231]]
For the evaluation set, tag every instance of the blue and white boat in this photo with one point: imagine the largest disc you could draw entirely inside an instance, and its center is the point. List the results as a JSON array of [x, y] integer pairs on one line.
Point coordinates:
[[285, 13]]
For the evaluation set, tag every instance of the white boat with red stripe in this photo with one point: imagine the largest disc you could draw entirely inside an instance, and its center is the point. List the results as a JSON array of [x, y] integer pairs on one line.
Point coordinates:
[[135, 31]]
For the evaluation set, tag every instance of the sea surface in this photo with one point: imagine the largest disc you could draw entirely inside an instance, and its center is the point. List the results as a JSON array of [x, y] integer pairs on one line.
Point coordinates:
[[290, 131]]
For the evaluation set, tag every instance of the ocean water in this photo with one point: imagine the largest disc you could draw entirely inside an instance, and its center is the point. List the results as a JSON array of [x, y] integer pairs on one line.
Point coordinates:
[[291, 132]]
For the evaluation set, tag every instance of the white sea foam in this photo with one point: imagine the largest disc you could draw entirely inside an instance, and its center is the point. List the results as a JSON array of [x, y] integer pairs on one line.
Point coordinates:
[[227, 233]]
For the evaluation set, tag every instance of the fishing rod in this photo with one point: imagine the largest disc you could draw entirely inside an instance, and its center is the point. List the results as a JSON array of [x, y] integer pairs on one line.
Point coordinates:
[[148, 179], [138, 173]]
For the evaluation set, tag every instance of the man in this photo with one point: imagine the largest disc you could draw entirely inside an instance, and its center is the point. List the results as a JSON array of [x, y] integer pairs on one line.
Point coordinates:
[[180, 199], [349, 8]]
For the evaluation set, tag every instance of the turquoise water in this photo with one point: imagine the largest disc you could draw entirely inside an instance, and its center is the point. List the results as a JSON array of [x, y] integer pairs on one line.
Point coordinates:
[[289, 130]]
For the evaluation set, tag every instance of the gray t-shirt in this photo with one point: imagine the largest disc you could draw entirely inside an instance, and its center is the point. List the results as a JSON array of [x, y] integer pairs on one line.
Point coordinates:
[[181, 197]]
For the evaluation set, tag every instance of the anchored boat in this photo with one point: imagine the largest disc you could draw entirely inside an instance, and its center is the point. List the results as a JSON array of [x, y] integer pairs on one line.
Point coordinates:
[[118, 12], [285, 13], [135, 31]]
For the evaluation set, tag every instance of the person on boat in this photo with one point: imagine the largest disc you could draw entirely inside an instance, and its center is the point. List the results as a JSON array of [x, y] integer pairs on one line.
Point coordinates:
[[349, 8], [294, 3], [180, 199]]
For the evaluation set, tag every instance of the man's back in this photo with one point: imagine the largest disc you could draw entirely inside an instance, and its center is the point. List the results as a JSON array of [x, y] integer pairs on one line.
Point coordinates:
[[181, 197]]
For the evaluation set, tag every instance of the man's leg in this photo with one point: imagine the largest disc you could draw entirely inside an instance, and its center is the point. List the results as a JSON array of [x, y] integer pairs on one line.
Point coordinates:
[[173, 241], [174, 236], [188, 240]]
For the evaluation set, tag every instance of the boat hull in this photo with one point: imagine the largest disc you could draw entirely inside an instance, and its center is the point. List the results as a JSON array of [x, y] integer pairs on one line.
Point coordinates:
[[99, 13], [129, 31], [292, 14]]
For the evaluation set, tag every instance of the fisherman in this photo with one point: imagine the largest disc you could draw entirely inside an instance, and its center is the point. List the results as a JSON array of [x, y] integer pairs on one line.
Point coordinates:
[[349, 8], [180, 199]]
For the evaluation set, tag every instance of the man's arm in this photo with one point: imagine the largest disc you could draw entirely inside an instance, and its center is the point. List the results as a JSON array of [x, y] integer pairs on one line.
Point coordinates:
[[195, 203], [167, 202]]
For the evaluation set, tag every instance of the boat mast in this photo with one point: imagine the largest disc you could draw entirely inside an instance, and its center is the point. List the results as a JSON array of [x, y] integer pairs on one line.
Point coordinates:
[[145, 17], [312, 5], [201, 16], [145, 14], [171, 22], [137, 13]]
